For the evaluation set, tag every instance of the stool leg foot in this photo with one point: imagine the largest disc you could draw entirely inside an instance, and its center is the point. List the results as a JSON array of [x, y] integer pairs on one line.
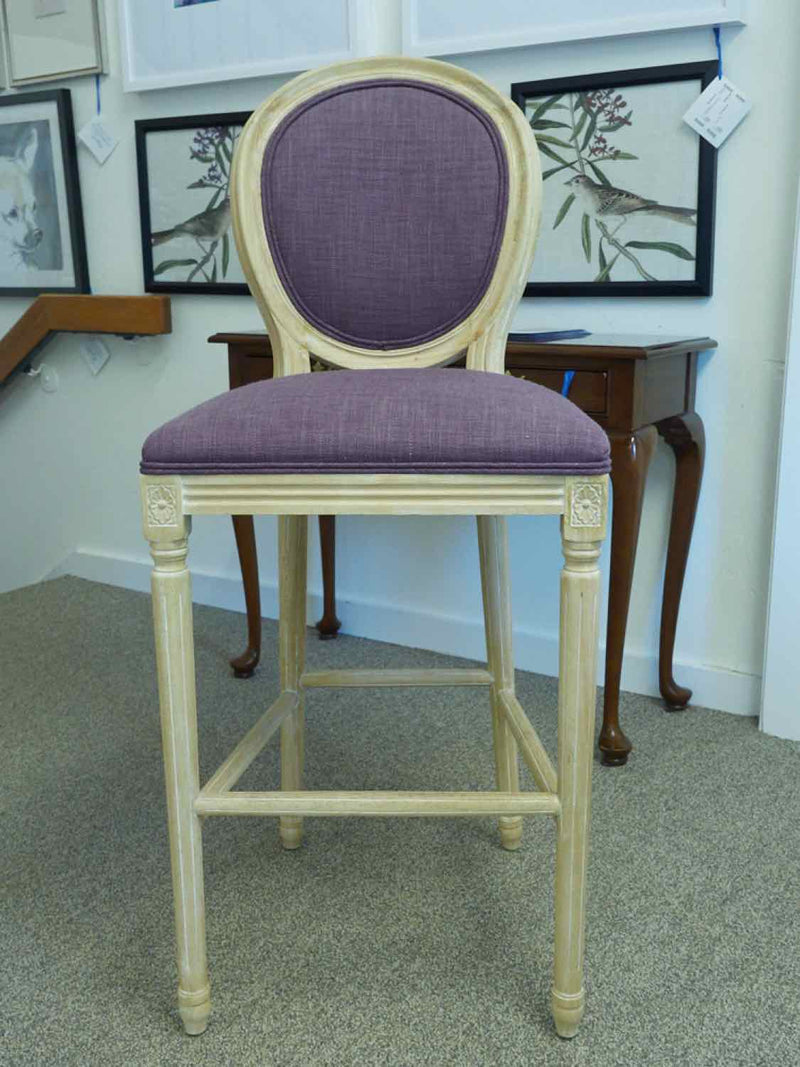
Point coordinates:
[[291, 832], [194, 1012], [567, 1012], [511, 833]]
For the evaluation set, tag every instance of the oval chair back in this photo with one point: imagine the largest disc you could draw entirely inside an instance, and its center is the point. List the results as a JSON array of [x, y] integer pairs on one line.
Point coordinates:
[[382, 213]]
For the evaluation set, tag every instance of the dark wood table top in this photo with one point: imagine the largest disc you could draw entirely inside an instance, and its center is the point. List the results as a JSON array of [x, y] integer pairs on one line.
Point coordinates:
[[604, 345]]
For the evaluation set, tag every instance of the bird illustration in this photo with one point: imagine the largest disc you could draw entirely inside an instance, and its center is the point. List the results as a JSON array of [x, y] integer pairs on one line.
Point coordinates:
[[606, 200], [209, 225]]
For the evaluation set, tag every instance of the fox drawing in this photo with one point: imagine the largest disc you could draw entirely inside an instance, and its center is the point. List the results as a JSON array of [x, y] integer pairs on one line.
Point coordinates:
[[20, 234]]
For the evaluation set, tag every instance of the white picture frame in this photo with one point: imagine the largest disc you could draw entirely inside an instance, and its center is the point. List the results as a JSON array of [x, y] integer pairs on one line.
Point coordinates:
[[428, 24], [167, 43], [39, 47]]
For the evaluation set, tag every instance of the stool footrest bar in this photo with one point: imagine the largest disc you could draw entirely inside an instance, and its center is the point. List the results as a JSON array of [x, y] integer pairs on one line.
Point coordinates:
[[531, 748], [372, 803], [229, 772], [347, 679]]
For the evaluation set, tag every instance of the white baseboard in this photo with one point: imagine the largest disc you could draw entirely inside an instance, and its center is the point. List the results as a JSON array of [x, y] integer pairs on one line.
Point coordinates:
[[713, 687]]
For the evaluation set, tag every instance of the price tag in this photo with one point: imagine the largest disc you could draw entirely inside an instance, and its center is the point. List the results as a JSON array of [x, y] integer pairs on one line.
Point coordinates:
[[718, 110], [98, 139]]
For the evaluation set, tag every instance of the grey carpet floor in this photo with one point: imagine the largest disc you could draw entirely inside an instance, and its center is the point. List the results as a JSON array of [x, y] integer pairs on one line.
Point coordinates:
[[381, 941]]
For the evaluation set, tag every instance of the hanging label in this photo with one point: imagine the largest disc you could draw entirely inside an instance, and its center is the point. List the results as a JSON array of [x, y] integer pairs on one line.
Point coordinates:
[[717, 111], [98, 139]]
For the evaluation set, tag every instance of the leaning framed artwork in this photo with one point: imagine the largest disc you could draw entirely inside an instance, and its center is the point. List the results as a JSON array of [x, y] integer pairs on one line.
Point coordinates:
[[187, 42], [628, 187], [42, 243], [184, 169], [455, 27], [52, 39]]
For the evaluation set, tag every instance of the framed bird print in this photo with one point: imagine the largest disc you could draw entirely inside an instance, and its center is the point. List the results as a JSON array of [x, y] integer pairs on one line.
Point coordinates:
[[628, 191], [184, 203]]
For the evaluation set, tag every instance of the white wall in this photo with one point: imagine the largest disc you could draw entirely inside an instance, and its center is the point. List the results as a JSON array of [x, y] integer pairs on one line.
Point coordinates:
[[68, 460], [780, 698]]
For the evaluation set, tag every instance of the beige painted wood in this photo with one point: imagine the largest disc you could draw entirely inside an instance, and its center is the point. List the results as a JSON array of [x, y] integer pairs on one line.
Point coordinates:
[[583, 528], [377, 803], [531, 748], [493, 553], [483, 333], [582, 501], [401, 677], [293, 558], [172, 619], [372, 494], [229, 772]]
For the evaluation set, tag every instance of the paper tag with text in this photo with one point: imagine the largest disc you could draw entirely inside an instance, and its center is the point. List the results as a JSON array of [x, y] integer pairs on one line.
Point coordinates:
[[97, 137], [717, 111]]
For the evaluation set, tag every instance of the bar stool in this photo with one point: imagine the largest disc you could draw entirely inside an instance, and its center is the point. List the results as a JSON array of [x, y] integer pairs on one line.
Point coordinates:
[[385, 213]]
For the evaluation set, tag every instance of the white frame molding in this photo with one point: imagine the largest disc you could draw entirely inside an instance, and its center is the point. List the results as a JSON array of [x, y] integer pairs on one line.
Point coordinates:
[[96, 9], [135, 83], [578, 22]]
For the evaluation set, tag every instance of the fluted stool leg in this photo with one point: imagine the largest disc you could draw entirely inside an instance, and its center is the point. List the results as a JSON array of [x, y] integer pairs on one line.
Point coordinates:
[[580, 581], [493, 547], [172, 614], [293, 555]]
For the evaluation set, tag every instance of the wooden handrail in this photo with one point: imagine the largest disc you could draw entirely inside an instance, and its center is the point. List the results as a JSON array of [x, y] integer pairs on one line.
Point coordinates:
[[50, 313]]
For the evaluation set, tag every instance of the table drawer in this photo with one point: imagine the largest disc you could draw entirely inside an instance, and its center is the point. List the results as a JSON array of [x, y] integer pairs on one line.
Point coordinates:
[[588, 389]]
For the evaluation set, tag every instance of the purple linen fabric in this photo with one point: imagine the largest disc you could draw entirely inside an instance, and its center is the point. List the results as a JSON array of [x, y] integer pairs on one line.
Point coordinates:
[[376, 421], [384, 207]]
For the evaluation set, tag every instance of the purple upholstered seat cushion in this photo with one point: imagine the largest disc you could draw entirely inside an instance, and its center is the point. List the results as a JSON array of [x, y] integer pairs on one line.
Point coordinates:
[[376, 421], [384, 206]]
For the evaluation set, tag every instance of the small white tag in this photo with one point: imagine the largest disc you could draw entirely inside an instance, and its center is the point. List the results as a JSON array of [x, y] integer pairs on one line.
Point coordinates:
[[98, 139], [43, 8], [96, 354], [717, 111]]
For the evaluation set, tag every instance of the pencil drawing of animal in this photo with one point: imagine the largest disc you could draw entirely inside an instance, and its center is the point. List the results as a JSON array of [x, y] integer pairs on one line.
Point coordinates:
[[20, 234]]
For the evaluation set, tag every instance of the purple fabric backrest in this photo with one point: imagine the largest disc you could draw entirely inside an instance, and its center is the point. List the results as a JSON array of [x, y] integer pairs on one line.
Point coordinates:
[[384, 208]]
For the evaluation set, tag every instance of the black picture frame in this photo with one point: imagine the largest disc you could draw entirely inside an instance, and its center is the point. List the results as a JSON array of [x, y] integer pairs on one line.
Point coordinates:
[[703, 73], [144, 127], [70, 220]]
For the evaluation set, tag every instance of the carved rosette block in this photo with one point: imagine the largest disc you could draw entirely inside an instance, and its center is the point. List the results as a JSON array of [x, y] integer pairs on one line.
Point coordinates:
[[163, 519], [162, 505], [586, 508]]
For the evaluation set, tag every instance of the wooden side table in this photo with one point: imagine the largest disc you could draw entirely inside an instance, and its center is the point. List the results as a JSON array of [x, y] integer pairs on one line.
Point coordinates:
[[635, 388]]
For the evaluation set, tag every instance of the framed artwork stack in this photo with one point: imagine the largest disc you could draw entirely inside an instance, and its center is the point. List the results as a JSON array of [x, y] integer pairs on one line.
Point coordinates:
[[187, 42], [49, 39], [457, 27]]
